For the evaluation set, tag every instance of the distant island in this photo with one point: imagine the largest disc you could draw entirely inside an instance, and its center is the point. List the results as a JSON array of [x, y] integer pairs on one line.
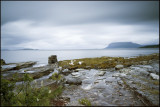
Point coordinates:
[[150, 46], [28, 49], [123, 45]]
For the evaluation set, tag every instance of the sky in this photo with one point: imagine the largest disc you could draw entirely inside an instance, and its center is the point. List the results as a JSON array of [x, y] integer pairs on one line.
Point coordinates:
[[77, 24]]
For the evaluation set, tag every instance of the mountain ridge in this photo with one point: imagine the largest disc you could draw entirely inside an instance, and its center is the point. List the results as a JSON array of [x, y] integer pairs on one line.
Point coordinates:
[[123, 45]]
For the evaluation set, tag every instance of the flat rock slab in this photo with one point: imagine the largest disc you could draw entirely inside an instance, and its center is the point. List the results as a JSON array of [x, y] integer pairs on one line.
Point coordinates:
[[144, 83], [17, 66], [35, 72], [101, 73], [100, 90]]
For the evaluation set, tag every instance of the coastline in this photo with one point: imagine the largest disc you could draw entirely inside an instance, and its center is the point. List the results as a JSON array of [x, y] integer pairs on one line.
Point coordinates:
[[138, 75]]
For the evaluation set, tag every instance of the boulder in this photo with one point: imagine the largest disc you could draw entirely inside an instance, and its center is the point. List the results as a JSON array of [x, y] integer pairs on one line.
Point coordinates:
[[74, 81], [75, 74], [101, 73], [66, 72], [52, 59], [117, 67], [154, 76]]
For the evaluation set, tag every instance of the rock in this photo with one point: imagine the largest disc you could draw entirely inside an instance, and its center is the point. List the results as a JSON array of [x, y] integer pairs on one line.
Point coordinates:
[[2, 62], [35, 72], [87, 87], [72, 67], [66, 72], [72, 62], [125, 70], [117, 67], [100, 85], [87, 81], [80, 62], [75, 74], [101, 73], [25, 65], [80, 69], [52, 59], [154, 76], [110, 79], [59, 69], [143, 62], [17, 66], [119, 75], [74, 81]]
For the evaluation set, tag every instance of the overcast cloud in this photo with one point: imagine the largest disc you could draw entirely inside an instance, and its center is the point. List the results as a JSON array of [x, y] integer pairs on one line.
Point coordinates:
[[77, 24]]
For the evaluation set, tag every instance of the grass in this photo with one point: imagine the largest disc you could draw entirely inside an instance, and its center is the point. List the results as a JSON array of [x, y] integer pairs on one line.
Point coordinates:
[[84, 101], [155, 92], [105, 62], [56, 76]]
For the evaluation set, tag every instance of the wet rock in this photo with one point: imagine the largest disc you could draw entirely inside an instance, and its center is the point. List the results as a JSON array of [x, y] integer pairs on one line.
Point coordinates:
[[100, 85], [17, 66], [66, 72], [125, 70], [87, 86], [101, 73], [117, 67], [35, 73], [110, 79], [75, 74], [74, 81], [80, 69], [52, 59], [154, 76], [25, 65], [119, 75], [143, 72]]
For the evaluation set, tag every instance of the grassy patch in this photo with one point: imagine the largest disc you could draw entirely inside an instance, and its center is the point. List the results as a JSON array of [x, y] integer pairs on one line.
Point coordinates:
[[105, 62], [155, 92], [84, 101], [56, 76]]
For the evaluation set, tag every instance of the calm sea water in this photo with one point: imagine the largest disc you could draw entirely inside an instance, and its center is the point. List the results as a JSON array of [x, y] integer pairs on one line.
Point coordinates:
[[42, 56]]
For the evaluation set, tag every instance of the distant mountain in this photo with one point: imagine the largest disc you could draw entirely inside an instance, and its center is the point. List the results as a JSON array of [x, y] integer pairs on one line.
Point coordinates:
[[5, 49], [28, 49], [123, 45], [150, 46]]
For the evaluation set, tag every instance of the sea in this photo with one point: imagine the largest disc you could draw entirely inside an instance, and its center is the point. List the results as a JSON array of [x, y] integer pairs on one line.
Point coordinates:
[[41, 56]]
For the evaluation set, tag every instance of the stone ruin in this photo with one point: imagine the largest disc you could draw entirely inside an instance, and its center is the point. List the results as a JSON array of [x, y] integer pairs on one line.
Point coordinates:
[[52, 59]]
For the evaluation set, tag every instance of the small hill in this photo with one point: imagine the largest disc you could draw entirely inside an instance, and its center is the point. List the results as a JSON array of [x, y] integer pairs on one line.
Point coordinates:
[[150, 46], [123, 45]]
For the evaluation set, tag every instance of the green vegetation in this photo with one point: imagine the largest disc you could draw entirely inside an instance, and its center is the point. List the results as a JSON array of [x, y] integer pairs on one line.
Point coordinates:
[[105, 62], [155, 92], [27, 94], [150, 46], [56, 76], [2, 62], [84, 101]]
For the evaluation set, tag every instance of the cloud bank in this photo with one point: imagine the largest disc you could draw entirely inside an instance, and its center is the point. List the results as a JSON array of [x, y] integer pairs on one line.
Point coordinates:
[[78, 24]]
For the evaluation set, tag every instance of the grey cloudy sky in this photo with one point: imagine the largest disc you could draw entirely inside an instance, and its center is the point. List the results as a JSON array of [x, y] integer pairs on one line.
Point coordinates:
[[78, 24]]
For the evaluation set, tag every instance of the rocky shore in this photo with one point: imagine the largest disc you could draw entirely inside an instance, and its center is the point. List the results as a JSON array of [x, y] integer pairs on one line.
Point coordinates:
[[104, 81]]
